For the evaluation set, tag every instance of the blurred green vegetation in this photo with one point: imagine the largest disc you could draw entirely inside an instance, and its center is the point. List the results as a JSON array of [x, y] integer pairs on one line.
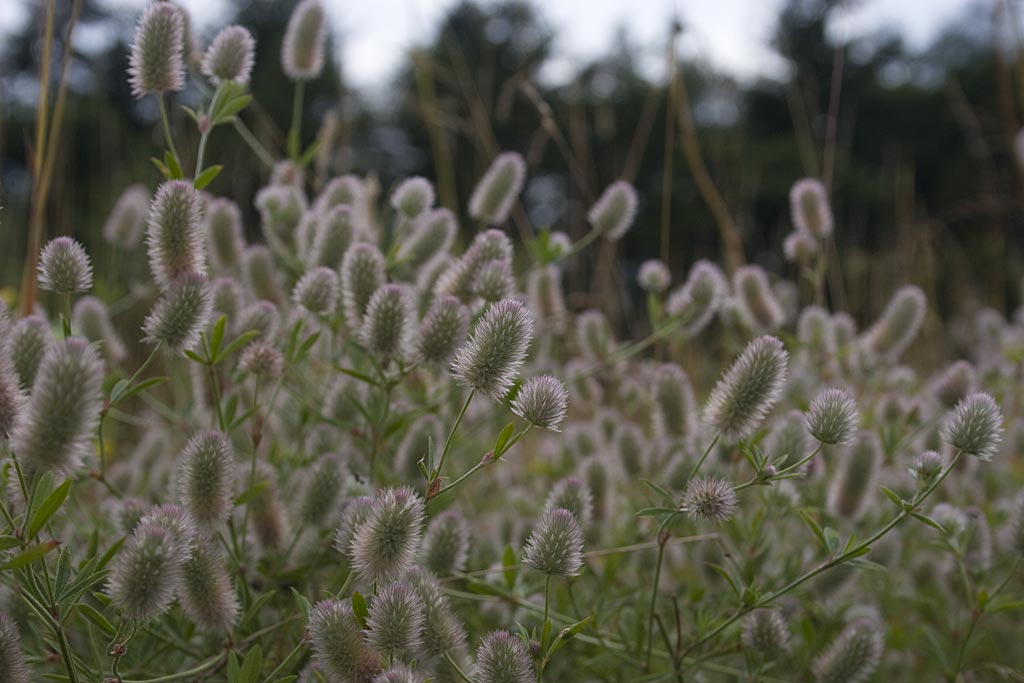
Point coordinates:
[[917, 146]]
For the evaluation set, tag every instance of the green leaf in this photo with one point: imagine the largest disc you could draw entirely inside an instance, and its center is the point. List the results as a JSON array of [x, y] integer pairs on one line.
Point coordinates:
[[503, 437], [727, 576], [29, 555], [359, 608], [357, 375], [660, 491], [891, 495], [308, 155], [232, 668], [207, 176], [8, 542], [814, 527], [302, 602], [162, 167], [232, 107], [929, 521], [252, 666], [173, 165], [217, 336], [509, 568], [41, 490], [95, 617], [139, 388], [49, 508], [251, 493], [831, 539], [192, 355], [237, 343]]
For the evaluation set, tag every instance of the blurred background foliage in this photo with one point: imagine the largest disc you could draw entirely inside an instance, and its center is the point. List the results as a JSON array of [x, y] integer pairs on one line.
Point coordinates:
[[917, 147]]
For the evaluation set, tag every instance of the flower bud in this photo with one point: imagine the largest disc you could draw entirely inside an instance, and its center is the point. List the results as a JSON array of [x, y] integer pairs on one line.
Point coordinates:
[[956, 382], [259, 316], [387, 326], [975, 426], [926, 469], [442, 630], [442, 331], [800, 247], [147, 572], [413, 196], [446, 544], [613, 213], [395, 623], [710, 499], [64, 267], [594, 335], [765, 633], [282, 206], [127, 220], [384, 546], [502, 658], [496, 192], [338, 644], [654, 276], [302, 52], [555, 547], [853, 656], [899, 323], [346, 190], [54, 431], [809, 208], [832, 417], [542, 401], [206, 478], [747, 392], [317, 291], [496, 349], [174, 232], [230, 56], [207, 595], [432, 235], [633, 450], [155, 62], [362, 274], [572, 494], [181, 313], [758, 306], [547, 300], [13, 667], [494, 281], [322, 491]]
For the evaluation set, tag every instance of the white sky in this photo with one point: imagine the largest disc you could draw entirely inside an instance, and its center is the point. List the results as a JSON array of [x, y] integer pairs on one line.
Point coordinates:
[[730, 34]]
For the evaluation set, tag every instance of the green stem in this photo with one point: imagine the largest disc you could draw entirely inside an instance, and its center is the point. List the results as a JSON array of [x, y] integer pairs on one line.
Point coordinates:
[[654, 587], [978, 613], [258, 149], [205, 666], [707, 452], [436, 474], [295, 133], [167, 127], [66, 320], [273, 676], [458, 669], [200, 154], [544, 628], [488, 459], [65, 654]]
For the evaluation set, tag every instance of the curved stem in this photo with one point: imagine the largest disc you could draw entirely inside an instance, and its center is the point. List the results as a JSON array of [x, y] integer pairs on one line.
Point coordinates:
[[258, 149], [200, 154], [436, 474], [165, 121], [205, 666]]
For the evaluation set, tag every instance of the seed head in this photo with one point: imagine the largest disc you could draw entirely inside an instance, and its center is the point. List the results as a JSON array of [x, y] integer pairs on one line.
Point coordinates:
[[206, 478], [442, 630], [230, 56], [766, 634], [206, 594], [758, 306], [927, 467], [675, 415], [808, 204], [224, 233], [413, 196], [899, 323], [747, 392], [710, 499], [399, 673], [156, 64], [496, 349], [493, 197], [147, 572], [355, 512], [594, 335], [542, 401], [54, 431], [13, 667], [260, 275], [384, 546], [174, 231], [29, 340], [502, 658], [572, 494], [698, 300], [613, 213], [362, 274], [91, 318], [127, 219], [395, 622], [854, 484], [446, 544], [317, 291], [853, 656], [975, 426], [832, 417], [493, 281], [64, 267], [432, 235], [547, 300], [180, 314], [302, 52], [800, 247], [387, 325], [442, 331], [322, 491], [956, 381], [555, 547], [335, 232], [654, 276], [338, 644]]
